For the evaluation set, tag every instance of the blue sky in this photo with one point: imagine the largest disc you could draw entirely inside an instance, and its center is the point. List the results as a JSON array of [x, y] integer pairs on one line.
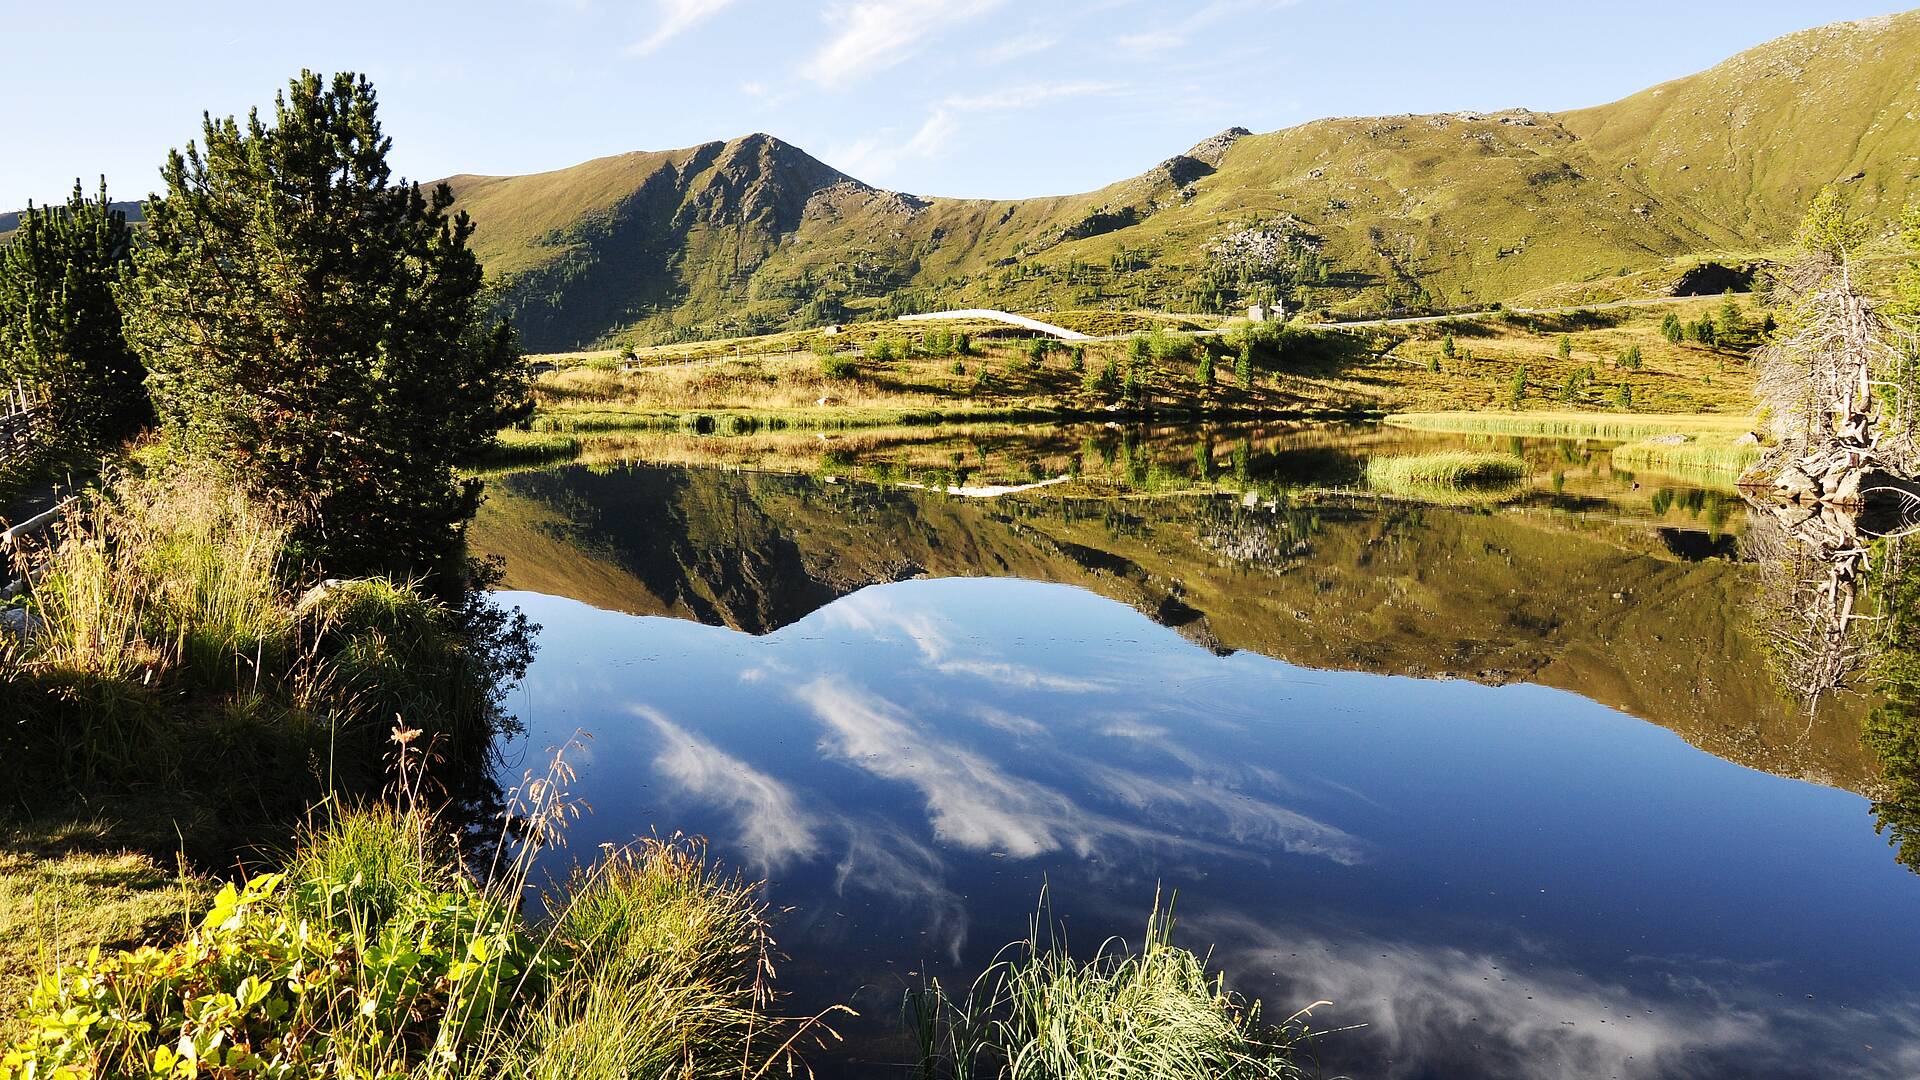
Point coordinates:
[[941, 97]]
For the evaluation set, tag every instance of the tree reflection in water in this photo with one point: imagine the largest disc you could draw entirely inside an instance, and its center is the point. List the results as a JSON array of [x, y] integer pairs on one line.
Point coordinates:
[[1892, 730], [1839, 603]]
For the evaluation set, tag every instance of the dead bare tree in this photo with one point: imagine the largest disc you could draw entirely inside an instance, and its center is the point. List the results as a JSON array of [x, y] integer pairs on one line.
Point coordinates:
[[1812, 564], [1837, 380]]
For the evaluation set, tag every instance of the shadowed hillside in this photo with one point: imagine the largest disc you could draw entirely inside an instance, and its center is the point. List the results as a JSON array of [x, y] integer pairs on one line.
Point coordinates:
[[1362, 214]]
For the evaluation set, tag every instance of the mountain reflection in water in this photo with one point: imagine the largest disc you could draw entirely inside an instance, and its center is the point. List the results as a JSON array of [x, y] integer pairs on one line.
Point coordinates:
[[1487, 864]]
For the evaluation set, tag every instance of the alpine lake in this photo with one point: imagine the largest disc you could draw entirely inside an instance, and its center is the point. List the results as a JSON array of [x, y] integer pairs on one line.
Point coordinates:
[[1596, 774]]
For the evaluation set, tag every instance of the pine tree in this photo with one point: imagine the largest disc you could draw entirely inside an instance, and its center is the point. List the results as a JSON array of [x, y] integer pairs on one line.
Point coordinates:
[[1672, 329], [1565, 348], [1447, 346], [1243, 366], [1731, 324], [315, 326], [1204, 375], [61, 329], [1517, 391]]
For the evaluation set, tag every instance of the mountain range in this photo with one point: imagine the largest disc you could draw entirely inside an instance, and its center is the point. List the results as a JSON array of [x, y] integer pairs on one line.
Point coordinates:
[[1372, 213]]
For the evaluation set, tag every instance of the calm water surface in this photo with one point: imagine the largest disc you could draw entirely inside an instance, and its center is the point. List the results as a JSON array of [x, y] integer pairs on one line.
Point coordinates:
[[1511, 787]]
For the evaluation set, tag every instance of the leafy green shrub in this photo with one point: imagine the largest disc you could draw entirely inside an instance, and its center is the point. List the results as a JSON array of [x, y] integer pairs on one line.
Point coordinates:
[[373, 955], [364, 963], [835, 366]]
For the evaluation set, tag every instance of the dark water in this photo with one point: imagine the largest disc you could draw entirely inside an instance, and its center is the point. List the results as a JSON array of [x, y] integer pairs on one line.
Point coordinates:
[[1516, 789]]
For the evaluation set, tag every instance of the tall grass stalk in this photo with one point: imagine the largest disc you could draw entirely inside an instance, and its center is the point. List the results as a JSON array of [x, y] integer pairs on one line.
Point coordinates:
[[146, 577]]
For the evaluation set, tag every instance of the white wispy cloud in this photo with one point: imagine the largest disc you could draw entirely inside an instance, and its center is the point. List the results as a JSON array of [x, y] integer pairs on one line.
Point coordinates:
[[971, 802], [1016, 47], [773, 828], [873, 35], [676, 17], [1532, 1013], [1174, 34], [933, 135], [876, 613], [1029, 95]]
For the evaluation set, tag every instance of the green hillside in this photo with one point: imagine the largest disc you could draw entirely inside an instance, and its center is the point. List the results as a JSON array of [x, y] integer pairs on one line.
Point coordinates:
[[1356, 214]]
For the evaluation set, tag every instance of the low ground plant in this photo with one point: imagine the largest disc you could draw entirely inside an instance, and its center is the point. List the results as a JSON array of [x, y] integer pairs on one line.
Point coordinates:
[[373, 954]]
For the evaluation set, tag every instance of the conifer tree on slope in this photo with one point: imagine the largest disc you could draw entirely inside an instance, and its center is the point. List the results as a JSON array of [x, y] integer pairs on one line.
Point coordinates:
[[315, 326]]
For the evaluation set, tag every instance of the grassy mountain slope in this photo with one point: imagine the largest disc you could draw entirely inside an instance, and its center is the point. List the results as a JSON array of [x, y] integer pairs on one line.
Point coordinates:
[[1359, 213], [1741, 148]]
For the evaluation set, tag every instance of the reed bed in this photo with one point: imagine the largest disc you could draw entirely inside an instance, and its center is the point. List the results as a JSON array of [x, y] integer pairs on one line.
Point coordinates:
[[1572, 425], [1450, 477], [1713, 456], [1447, 468]]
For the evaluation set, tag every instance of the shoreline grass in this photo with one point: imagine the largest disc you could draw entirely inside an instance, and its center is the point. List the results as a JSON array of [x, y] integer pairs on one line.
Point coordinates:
[[1621, 427], [1711, 455], [1151, 1014]]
